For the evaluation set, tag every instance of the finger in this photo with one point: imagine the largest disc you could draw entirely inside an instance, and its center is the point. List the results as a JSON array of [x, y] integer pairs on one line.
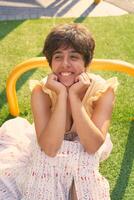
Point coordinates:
[[88, 77], [77, 79], [84, 76], [54, 77]]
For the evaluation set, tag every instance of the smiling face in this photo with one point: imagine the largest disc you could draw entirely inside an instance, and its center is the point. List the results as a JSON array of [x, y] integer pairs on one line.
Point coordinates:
[[67, 64]]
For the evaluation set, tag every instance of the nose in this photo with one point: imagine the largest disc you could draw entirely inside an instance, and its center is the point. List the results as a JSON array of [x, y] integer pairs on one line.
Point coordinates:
[[66, 62]]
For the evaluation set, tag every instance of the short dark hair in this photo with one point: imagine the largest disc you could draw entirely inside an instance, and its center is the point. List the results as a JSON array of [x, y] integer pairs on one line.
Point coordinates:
[[76, 36]]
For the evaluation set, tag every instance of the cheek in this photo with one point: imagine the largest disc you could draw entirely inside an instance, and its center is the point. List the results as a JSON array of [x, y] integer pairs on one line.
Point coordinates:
[[54, 67], [80, 69], [81, 66]]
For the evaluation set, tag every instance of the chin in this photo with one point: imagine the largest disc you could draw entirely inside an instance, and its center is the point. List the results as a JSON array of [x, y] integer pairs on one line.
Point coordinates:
[[67, 82]]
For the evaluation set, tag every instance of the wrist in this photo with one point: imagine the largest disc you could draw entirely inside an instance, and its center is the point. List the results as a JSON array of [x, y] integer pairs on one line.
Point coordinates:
[[74, 99], [73, 95], [63, 94]]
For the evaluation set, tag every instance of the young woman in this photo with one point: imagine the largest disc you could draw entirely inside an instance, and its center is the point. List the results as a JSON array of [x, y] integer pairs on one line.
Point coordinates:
[[71, 110]]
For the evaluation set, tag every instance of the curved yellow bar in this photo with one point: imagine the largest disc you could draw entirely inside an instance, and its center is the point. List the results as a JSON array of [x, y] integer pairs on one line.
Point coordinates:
[[112, 65], [97, 64], [97, 1], [13, 77]]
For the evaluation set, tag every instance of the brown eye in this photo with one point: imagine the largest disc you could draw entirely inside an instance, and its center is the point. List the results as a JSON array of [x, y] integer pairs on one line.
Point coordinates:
[[57, 57], [74, 57]]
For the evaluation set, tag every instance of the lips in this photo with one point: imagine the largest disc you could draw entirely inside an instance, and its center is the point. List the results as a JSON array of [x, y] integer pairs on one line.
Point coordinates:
[[66, 78]]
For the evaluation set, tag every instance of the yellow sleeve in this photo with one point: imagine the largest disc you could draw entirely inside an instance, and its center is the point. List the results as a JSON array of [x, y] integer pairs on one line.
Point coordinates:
[[42, 83], [96, 89]]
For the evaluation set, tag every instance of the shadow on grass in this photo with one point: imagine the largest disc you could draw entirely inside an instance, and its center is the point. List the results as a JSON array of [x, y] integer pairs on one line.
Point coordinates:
[[6, 118], [6, 27], [126, 167]]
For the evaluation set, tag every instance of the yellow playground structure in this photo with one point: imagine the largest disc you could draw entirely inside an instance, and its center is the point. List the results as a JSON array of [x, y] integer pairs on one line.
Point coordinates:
[[97, 64]]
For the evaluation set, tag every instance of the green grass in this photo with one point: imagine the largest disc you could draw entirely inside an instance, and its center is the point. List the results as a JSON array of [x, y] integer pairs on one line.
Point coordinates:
[[21, 40]]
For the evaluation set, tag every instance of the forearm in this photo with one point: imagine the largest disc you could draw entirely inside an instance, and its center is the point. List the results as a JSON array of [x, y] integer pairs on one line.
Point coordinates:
[[53, 134], [90, 136]]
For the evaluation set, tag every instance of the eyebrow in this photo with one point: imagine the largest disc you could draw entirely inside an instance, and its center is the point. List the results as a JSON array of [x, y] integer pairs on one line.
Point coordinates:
[[57, 51]]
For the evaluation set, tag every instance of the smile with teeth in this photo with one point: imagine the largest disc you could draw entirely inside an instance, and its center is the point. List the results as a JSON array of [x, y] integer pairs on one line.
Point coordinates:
[[66, 73]]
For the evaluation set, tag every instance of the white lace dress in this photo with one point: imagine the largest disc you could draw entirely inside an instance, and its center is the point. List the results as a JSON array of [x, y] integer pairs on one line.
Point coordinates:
[[28, 173]]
